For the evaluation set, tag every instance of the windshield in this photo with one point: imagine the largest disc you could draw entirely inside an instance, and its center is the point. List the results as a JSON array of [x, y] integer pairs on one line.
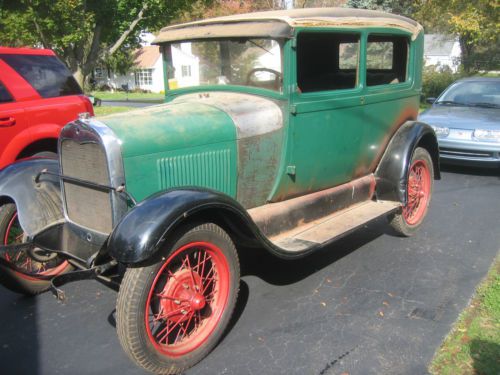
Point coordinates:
[[243, 62], [472, 93]]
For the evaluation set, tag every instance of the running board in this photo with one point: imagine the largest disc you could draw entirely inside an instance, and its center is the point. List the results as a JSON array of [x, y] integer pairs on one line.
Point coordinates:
[[333, 226]]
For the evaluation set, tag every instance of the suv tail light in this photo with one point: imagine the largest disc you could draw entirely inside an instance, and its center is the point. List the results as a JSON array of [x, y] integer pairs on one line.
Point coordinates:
[[88, 105]]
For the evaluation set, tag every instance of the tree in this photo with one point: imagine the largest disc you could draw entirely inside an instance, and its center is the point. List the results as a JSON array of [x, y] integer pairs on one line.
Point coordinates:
[[83, 32], [476, 22], [403, 7]]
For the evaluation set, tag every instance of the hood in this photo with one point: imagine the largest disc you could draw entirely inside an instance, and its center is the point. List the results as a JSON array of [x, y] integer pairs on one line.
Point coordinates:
[[462, 117], [170, 127]]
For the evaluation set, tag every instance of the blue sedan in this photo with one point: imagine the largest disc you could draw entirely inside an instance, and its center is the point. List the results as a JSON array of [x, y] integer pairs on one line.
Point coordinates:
[[466, 119]]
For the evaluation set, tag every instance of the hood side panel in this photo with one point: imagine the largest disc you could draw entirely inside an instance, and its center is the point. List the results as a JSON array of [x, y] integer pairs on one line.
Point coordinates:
[[176, 145], [259, 126]]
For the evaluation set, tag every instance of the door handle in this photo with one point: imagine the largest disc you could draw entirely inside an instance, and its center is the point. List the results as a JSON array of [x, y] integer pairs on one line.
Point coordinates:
[[7, 121]]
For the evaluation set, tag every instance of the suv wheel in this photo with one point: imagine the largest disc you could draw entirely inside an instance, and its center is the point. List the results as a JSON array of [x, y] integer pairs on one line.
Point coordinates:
[[36, 274]]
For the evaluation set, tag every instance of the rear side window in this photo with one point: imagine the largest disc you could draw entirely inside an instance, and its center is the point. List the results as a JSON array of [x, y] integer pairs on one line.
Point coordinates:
[[327, 61], [386, 60], [4, 94], [47, 74]]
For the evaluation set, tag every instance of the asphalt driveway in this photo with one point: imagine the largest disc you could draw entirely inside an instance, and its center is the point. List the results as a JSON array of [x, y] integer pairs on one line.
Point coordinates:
[[372, 303]]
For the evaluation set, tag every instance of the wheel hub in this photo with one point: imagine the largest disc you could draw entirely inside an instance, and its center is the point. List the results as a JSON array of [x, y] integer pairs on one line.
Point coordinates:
[[184, 297]]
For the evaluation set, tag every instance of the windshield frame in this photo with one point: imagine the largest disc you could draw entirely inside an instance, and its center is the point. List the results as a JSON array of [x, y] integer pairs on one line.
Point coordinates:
[[168, 71]]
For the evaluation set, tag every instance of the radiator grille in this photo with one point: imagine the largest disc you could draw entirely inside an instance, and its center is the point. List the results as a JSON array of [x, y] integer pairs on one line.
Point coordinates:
[[85, 206], [207, 169]]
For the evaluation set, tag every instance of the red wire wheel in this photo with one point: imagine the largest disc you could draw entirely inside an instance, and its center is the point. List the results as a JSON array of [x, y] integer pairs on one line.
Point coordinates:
[[187, 298], [172, 311], [419, 192]]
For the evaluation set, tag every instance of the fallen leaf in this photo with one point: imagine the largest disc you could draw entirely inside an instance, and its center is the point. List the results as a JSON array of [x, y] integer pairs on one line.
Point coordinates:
[[390, 294], [381, 313], [385, 303], [323, 304]]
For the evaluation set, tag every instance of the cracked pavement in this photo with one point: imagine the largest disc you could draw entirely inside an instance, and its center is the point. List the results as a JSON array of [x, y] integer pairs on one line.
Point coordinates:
[[371, 303]]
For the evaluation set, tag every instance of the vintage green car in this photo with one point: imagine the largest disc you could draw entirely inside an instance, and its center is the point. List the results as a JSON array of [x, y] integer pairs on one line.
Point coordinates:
[[282, 130]]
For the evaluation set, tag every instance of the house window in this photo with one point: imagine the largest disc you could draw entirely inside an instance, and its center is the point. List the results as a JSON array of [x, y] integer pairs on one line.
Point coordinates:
[[327, 61], [386, 60], [186, 70], [100, 73], [144, 77]]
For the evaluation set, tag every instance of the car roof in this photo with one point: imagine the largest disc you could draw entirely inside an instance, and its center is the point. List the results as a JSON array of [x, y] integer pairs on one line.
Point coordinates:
[[281, 23], [26, 51]]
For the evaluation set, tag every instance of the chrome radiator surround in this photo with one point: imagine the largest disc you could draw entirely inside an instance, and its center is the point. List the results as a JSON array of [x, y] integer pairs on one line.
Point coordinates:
[[98, 137]]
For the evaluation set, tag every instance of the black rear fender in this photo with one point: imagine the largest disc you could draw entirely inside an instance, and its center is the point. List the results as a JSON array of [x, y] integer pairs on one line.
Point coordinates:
[[392, 171]]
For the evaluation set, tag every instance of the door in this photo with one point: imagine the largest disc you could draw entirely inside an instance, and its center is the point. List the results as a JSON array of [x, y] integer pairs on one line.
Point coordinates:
[[12, 120], [327, 128]]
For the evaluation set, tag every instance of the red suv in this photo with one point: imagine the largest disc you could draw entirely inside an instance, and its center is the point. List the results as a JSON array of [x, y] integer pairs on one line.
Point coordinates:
[[38, 96]]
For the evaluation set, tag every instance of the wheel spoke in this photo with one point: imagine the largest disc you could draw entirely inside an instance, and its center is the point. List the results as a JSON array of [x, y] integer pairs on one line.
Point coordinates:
[[191, 271]]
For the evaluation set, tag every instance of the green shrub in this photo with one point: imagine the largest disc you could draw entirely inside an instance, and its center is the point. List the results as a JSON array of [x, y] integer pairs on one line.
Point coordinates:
[[436, 79]]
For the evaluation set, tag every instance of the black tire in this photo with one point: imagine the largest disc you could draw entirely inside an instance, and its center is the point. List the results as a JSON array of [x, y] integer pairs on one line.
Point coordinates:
[[13, 280], [403, 223], [141, 295]]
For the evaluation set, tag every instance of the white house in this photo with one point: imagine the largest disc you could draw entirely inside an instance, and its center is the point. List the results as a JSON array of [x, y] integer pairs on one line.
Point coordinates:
[[186, 66], [148, 70], [442, 50]]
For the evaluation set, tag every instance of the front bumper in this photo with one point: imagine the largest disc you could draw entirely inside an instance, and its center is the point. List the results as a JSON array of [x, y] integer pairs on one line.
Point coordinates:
[[469, 152]]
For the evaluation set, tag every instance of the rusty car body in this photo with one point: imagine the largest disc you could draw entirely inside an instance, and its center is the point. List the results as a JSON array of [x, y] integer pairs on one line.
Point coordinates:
[[283, 130]]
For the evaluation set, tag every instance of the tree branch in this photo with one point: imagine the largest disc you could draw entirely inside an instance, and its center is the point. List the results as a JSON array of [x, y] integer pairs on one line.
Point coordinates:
[[39, 29], [127, 32]]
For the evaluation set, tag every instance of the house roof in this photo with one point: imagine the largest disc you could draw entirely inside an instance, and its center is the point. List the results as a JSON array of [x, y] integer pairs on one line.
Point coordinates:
[[146, 57], [438, 44], [280, 24]]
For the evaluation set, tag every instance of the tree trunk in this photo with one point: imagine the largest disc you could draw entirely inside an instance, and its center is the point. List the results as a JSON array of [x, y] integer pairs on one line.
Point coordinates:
[[467, 50], [80, 77]]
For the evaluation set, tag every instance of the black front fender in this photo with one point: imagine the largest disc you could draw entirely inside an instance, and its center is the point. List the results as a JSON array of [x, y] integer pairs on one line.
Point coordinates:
[[392, 171], [38, 202], [142, 231]]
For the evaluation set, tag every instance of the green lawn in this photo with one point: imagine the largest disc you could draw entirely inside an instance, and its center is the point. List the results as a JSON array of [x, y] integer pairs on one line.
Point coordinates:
[[423, 107], [473, 346], [119, 95], [103, 111]]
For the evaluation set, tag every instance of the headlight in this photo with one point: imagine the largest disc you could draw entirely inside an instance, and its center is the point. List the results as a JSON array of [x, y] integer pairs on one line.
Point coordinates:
[[441, 131], [487, 135]]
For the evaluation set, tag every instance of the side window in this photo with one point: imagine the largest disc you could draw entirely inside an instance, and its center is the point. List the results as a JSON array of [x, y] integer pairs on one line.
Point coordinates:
[[386, 60], [327, 61], [4, 94], [47, 74]]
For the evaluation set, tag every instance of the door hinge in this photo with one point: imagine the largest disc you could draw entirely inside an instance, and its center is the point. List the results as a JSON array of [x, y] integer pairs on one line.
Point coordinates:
[[293, 109]]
